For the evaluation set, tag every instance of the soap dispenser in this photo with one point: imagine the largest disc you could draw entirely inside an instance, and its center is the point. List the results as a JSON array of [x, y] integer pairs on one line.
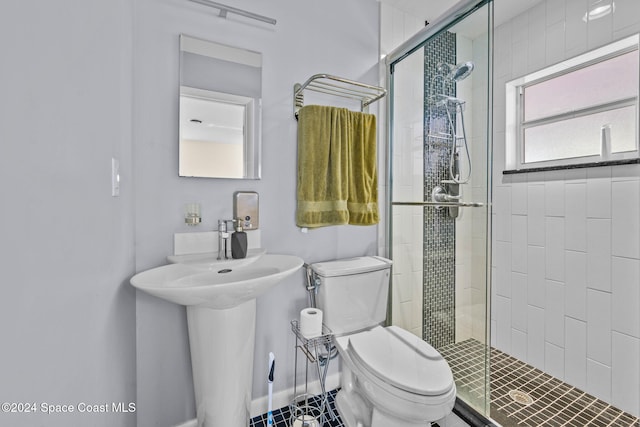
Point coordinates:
[[239, 242]]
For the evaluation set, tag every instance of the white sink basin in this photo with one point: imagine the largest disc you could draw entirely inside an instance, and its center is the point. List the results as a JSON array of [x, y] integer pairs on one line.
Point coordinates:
[[220, 296], [207, 282]]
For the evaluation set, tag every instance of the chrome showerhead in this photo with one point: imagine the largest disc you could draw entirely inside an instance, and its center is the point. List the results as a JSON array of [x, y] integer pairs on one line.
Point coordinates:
[[456, 72]]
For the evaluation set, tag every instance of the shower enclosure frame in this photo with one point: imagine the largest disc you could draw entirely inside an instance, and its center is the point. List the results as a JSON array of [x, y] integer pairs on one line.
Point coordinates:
[[451, 17]]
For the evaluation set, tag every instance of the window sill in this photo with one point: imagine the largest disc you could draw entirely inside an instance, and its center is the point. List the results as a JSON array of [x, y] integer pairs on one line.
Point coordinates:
[[577, 166]]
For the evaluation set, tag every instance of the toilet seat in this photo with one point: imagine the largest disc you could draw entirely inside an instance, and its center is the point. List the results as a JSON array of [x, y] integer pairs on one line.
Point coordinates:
[[401, 359]]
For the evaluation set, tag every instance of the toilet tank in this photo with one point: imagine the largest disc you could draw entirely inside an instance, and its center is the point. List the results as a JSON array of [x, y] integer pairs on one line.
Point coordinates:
[[353, 293]]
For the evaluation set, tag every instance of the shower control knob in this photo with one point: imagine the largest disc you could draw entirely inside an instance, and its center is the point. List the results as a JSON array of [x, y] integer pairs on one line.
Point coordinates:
[[439, 194]]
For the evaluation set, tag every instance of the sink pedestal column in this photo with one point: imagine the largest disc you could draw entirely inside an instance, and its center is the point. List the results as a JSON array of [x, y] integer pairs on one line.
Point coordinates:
[[222, 345]]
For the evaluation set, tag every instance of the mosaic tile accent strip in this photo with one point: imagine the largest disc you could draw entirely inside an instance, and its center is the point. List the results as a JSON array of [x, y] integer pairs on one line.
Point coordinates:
[[439, 227], [555, 403]]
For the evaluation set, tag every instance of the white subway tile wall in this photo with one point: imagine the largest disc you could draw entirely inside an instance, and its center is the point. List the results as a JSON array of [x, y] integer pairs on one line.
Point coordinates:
[[396, 27], [572, 236]]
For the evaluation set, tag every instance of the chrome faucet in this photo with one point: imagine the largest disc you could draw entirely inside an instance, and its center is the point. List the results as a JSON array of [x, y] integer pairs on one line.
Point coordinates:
[[223, 237]]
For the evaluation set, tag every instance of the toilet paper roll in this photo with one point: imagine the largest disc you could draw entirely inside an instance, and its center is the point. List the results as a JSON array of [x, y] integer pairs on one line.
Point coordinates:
[[305, 421], [311, 322]]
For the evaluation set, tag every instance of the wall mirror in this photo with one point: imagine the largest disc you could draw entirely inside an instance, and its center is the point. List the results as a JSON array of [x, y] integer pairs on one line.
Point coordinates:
[[220, 110]]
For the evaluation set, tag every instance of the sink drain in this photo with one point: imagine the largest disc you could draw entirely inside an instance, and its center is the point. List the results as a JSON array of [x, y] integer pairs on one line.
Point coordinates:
[[521, 397]]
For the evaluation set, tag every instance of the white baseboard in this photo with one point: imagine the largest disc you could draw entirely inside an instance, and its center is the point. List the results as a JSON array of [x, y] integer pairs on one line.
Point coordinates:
[[281, 399]]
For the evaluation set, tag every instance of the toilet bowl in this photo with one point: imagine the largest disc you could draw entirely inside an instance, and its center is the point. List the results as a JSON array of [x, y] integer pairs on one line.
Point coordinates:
[[405, 380], [389, 377]]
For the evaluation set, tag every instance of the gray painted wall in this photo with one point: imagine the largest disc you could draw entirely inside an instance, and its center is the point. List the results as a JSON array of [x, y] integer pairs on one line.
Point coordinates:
[[300, 45], [83, 82], [67, 312]]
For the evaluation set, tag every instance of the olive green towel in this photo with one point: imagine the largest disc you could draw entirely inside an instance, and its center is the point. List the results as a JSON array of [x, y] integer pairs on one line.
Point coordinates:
[[362, 203], [337, 173]]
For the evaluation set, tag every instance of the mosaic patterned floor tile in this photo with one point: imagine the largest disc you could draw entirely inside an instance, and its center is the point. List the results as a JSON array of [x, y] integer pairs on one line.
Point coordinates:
[[282, 417]]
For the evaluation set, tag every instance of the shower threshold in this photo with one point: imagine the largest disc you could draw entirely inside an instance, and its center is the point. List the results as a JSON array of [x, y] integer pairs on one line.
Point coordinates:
[[522, 395]]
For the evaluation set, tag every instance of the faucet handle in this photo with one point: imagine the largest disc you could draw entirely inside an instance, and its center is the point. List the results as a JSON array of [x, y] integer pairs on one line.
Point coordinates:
[[223, 235], [222, 224]]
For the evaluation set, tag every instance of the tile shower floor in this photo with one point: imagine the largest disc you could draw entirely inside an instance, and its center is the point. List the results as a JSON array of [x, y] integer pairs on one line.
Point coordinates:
[[522, 395]]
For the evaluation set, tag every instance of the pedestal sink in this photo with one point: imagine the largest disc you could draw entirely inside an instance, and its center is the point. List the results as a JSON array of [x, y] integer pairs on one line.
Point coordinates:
[[221, 314]]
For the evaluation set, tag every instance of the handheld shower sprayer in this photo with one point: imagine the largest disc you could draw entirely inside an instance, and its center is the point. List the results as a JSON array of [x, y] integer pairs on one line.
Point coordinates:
[[454, 169], [452, 105]]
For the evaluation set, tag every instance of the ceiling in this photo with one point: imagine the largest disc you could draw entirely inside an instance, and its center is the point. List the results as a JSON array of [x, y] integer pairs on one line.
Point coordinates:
[[430, 10]]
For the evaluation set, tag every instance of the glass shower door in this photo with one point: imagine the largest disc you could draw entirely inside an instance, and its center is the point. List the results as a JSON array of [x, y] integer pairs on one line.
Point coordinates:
[[439, 191]]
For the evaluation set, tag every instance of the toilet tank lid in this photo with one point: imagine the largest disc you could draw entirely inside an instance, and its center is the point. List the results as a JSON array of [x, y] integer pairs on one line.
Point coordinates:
[[345, 267]]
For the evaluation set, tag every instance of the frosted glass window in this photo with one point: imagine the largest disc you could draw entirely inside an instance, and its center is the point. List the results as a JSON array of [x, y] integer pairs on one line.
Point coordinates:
[[581, 136], [600, 83], [583, 110]]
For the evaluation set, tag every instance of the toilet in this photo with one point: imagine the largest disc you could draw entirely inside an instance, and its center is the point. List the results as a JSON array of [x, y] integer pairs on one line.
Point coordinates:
[[389, 377]]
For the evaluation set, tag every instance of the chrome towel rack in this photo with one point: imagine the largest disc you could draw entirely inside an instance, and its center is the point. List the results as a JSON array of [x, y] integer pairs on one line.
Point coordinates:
[[337, 86], [441, 204]]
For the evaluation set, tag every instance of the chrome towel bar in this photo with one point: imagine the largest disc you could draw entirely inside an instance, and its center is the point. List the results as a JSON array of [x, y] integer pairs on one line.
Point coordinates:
[[441, 204], [337, 86]]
